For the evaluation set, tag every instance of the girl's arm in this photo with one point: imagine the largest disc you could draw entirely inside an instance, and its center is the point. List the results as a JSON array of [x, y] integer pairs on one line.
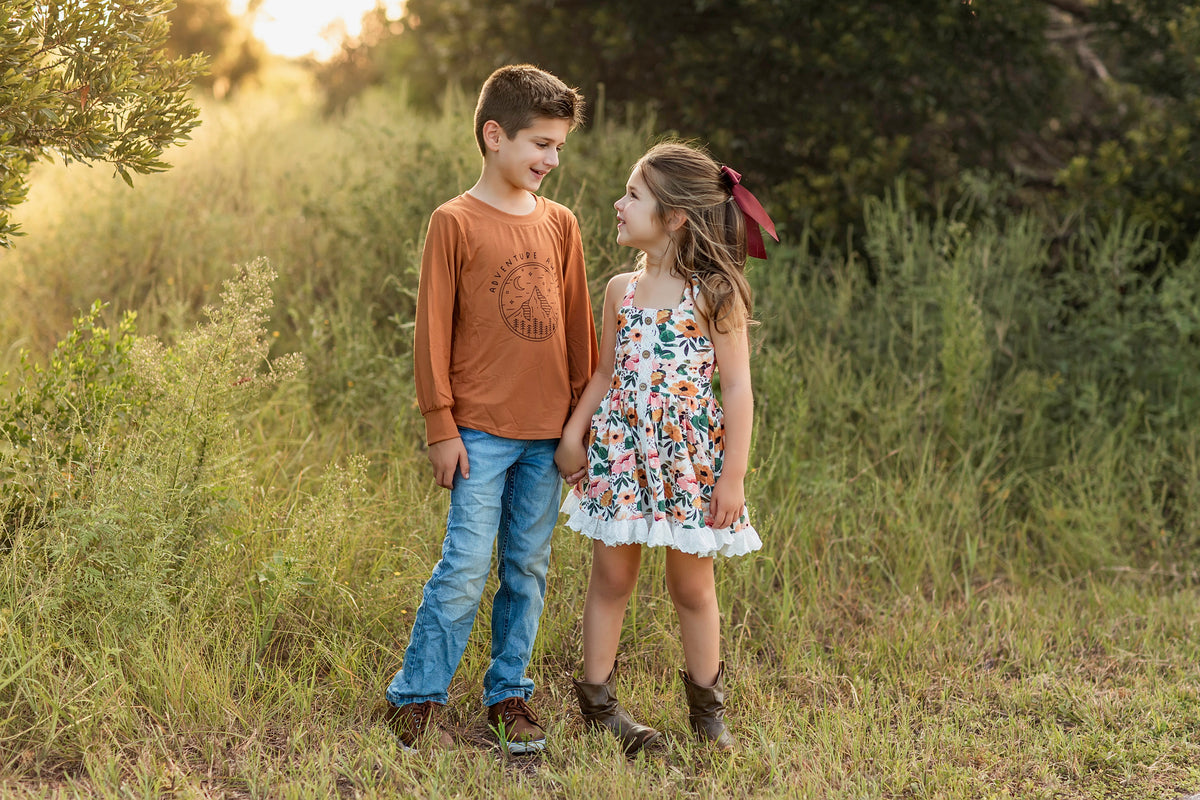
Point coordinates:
[[732, 352], [571, 455]]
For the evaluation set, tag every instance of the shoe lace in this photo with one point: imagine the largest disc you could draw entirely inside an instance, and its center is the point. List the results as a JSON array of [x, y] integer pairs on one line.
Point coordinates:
[[416, 717], [515, 707]]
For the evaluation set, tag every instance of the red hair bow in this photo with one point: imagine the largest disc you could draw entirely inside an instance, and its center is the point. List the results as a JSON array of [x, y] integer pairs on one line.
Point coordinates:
[[754, 213]]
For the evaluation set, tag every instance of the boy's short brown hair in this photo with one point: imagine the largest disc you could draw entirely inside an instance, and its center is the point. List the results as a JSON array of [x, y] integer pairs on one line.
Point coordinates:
[[515, 95]]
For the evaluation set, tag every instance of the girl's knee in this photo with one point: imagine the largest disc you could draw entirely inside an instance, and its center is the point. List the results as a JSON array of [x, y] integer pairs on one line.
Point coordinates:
[[692, 596], [615, 570], [613, 581], [691, 583]]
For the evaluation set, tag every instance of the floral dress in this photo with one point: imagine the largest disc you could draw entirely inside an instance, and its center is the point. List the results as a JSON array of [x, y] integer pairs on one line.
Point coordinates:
[[657, 441]]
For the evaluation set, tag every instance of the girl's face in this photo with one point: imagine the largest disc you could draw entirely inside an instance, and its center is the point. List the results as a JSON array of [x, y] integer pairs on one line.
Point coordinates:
[[638, 223]]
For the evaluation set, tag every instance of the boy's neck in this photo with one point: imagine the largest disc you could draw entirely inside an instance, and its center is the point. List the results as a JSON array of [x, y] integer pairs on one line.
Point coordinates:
[[502, 195]]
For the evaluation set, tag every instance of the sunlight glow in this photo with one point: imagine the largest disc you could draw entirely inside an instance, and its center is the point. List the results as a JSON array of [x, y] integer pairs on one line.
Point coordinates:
[[295, 28]]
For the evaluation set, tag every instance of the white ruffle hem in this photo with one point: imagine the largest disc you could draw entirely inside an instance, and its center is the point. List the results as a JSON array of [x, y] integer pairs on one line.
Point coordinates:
[[702, 542]]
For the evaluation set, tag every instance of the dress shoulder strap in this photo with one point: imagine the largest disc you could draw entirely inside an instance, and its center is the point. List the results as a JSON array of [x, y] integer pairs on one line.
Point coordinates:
[[630, 289], [689, 292]]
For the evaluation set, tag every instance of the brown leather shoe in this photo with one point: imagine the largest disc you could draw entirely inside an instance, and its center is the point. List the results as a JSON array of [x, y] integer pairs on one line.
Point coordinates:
[[414, 724], [516, 726]]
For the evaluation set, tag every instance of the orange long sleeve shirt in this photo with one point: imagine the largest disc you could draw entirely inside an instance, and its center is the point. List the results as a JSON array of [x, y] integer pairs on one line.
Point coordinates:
[[505, 341]]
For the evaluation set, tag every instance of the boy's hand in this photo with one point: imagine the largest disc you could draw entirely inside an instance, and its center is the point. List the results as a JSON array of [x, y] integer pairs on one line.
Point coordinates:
[[447, 457], [571, 459], [728, 500]]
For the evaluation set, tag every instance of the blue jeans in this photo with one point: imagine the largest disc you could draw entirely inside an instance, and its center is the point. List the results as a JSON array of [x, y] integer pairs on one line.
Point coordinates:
[[511, 500]]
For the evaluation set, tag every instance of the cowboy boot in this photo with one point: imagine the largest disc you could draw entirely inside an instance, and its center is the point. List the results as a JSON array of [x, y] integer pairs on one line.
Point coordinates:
[[600, 709], [706, 710]]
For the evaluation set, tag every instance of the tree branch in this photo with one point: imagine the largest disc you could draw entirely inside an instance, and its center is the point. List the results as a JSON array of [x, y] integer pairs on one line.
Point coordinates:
[[1077, 37], [1092, 61], [1072, 7]]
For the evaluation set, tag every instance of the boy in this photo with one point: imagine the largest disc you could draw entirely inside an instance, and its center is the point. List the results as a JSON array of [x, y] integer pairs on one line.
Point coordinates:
[[504, 346]]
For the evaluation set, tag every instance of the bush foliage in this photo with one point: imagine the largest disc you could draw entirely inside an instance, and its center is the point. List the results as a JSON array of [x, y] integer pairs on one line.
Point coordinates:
[[88, 82], [1082, 102]]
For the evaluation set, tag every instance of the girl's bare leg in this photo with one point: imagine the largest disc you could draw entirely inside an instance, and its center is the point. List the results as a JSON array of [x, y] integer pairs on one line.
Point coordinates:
[[614, 576], [692, 584]]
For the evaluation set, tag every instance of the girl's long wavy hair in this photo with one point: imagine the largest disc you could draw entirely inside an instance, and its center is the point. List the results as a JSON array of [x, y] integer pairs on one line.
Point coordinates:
[[710, 249]]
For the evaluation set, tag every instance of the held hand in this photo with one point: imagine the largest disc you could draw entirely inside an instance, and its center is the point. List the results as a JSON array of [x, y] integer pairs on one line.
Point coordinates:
[[571, 459], [447, 457], [575, 477], [728, 500]]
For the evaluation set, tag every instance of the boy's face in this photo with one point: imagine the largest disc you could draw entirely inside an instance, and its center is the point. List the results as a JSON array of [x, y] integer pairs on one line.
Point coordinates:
[[526, 159]]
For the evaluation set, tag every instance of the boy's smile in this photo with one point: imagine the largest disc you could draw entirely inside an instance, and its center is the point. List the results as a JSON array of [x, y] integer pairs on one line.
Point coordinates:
[[529, 156]]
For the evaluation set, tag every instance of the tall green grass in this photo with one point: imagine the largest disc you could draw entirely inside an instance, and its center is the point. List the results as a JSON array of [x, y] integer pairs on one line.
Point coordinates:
[[950, 406], [975, 472]]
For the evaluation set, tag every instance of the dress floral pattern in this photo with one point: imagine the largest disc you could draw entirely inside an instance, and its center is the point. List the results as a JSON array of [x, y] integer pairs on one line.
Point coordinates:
[[657, 440]]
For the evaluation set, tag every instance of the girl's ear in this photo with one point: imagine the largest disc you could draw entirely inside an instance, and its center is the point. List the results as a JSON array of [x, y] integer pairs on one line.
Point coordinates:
[[491, 134], [676, 220]]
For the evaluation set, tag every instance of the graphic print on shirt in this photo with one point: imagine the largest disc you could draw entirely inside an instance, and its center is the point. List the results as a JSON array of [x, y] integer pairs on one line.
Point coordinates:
[[528, 294]]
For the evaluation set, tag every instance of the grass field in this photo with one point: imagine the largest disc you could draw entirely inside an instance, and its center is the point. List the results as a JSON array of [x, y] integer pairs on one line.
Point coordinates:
[[975, 473]]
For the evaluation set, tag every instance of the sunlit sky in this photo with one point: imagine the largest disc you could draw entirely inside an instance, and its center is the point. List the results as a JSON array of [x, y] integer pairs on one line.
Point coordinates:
[[295, 28]]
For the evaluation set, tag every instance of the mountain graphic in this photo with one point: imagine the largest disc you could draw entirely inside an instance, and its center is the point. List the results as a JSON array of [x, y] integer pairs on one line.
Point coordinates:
[[536, 305], [534, 319]]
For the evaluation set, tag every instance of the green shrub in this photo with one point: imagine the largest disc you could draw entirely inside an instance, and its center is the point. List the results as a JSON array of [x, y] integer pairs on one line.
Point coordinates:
[[124, 463], [960, 410]]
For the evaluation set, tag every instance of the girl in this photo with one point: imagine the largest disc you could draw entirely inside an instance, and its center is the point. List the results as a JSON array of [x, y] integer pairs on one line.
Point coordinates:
[[664, 463]]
